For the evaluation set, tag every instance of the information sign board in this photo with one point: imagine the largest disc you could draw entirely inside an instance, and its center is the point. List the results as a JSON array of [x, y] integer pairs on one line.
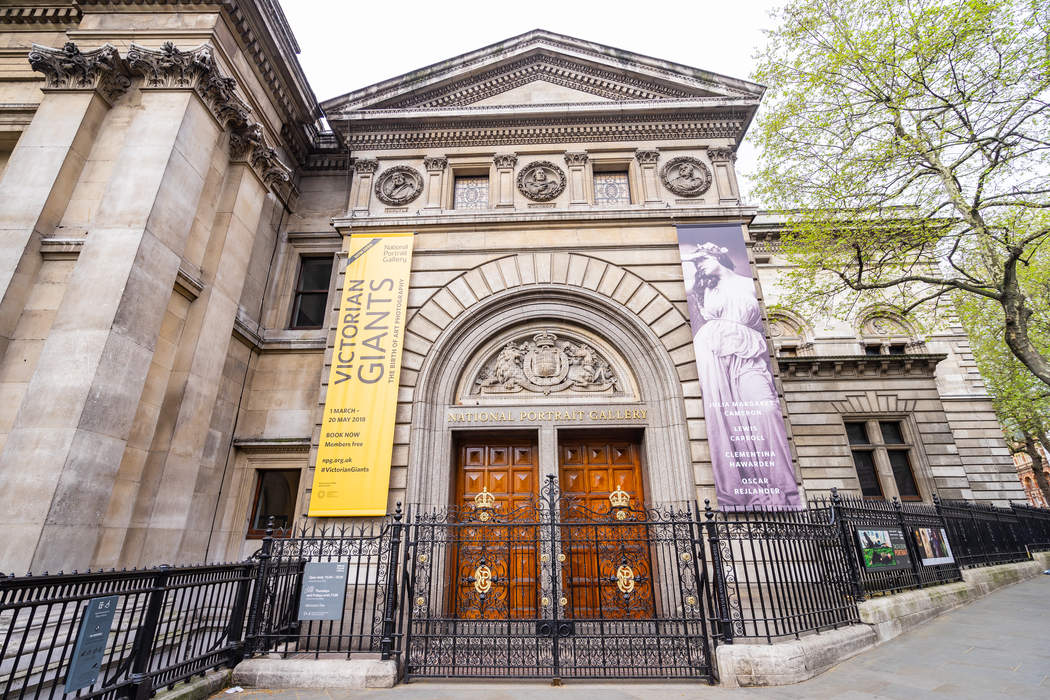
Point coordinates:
[[92, 637], [324, 590]]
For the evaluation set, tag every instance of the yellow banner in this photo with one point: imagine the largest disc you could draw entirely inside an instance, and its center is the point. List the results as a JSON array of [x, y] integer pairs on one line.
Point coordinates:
[[352, 474]]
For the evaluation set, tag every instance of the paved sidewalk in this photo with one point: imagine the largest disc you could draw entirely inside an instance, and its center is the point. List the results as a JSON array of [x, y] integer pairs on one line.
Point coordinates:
[[999, 647]]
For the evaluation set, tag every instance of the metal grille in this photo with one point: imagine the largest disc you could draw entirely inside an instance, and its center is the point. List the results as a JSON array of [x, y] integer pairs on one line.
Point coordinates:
[[553, 589]]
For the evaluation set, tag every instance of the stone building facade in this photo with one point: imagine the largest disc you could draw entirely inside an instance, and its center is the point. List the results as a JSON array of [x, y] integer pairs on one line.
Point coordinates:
[[175, 224]]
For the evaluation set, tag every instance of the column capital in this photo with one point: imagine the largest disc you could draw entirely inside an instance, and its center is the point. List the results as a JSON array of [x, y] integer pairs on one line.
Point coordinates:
[[721, 153], [432, 163], [366, 166], [575, 158], [195, 69], [69, 68], [505, 161], [647, 157]]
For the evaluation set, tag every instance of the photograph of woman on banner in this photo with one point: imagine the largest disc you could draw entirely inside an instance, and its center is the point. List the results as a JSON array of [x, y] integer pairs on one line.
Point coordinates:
[[745, 428]]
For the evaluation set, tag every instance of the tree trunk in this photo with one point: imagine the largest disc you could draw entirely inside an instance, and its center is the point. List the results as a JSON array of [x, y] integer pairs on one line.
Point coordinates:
[[1017, 315], [1031, 447]]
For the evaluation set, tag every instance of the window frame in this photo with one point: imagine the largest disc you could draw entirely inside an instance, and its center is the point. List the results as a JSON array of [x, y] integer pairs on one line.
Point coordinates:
[[615, 169], [881, 449], [615, 163], [253, 509], [297, 292]]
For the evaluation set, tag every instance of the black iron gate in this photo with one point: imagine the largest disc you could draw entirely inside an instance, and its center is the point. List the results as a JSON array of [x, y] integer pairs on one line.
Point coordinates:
[[556, 589]]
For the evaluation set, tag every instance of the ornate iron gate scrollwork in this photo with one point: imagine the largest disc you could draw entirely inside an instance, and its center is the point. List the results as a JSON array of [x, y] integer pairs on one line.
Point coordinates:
[[556, 589]]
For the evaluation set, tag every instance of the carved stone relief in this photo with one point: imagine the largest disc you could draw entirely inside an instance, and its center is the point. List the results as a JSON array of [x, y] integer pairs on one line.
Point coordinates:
[[541, 181], [70, 68], [546, 364], [398, 185], [506, 160], [884, 325], [686, 176], [432, 163]]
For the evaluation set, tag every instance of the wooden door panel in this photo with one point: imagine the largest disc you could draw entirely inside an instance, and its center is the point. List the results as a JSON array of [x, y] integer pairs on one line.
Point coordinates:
[[590, 469], [509, 470]]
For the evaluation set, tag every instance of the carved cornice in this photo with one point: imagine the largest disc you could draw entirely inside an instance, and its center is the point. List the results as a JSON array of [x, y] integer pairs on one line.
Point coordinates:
[[836, 367], [647, 157], [575, 159], [69, 68], [609, 84], [513, 131], [433, 163], [194, 69], [366, 166], [721, 153], [36, 14], [506, 161]]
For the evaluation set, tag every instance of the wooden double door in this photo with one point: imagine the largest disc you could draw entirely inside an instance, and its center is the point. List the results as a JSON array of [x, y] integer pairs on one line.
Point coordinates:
[[590, 468]]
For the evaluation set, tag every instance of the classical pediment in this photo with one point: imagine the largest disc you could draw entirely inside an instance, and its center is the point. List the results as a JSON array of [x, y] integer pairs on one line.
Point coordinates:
[[541, 68]]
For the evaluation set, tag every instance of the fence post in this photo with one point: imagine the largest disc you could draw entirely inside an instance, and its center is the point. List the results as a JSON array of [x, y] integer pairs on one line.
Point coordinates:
[[141, 685], [909, 544], [235, 631], [262, 572], [725, 624], [390, 602], [848, 549]]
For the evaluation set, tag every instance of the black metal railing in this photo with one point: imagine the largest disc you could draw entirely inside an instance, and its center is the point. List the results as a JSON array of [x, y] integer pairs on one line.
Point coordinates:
[[760, 575], [982, 534], [369, 622], [778, 574], [169, 624], [920, 527]]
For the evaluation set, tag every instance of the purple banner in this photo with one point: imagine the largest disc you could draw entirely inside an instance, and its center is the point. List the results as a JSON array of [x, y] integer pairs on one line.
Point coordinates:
[[745, 428]]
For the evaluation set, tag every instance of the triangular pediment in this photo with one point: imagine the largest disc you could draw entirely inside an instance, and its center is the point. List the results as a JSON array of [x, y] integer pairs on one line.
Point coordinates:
[[541, 68]]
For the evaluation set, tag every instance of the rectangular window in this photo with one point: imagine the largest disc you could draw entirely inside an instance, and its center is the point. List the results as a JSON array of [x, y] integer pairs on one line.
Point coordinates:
[[275, 494], [882, 442], [311, 293], [612, 189], [471, 192]]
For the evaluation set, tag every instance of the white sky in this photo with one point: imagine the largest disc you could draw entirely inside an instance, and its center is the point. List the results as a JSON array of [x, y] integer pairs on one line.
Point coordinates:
[[350, 44]]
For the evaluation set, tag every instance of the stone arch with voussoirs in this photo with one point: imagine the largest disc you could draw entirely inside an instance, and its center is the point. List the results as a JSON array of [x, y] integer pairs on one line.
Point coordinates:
[[628, 313]]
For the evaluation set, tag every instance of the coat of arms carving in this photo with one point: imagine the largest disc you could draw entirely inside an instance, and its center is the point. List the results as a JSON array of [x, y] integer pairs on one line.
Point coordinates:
[[544, 365]]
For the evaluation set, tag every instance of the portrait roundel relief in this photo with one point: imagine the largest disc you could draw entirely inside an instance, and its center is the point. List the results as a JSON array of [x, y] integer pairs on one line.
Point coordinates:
[[686, 176], [541, 181], [398, 185]]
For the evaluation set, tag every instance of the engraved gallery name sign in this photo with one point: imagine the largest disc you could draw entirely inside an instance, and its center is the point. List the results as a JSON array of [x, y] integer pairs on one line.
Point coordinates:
[[534, 416]]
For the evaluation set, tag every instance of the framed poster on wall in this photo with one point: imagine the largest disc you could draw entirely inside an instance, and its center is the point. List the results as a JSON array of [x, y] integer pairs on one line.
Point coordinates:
[[932, 545], [883, 549]]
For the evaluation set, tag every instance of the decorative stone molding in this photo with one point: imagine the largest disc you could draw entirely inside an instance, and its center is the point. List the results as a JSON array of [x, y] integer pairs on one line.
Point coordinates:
[[694, 125], [366, 166], [545, 365], [432, 163], [541, 181], [606, 84], [194, 69], [647, 157], [398, 185], [686, 176], [839, 366], [100, 69], [721, 153], [575, 159], [505, 160]]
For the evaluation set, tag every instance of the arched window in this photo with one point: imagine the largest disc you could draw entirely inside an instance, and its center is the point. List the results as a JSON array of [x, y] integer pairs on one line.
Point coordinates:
[[884, 331], [790, 334]]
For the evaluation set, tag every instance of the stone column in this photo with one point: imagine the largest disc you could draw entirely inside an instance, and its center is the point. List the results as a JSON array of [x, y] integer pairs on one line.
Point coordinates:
[[174, 524], [505, 180], [723, 160], [548, 452], [361, 191], [46, 163], [61, 457], [435, 174], [577, 164], [650, 183]]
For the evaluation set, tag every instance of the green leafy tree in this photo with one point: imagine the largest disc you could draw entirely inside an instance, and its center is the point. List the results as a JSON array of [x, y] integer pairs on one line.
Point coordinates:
[[1021, 401], [907, 142]]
